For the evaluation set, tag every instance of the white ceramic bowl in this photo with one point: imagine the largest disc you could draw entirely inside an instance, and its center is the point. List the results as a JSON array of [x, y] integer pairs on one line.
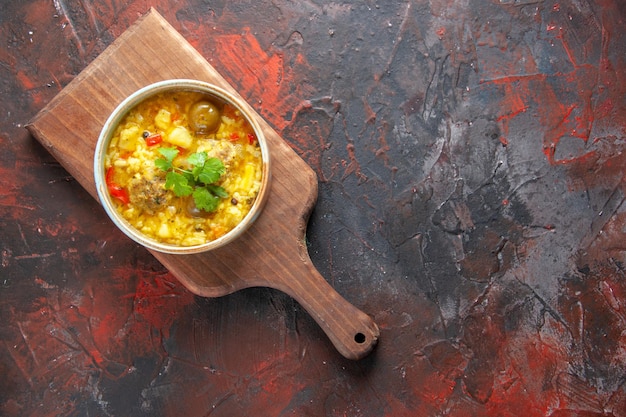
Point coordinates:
[[105, 137]]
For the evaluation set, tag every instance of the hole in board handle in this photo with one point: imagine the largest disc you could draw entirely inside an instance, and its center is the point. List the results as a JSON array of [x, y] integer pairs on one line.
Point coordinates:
[[359, 338]]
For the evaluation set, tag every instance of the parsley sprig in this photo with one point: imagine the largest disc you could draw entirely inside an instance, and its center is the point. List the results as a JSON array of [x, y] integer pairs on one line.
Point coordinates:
[[198, 181]]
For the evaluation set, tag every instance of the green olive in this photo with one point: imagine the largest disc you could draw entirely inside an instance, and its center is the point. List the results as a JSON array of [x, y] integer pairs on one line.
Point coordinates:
[[204, 117]]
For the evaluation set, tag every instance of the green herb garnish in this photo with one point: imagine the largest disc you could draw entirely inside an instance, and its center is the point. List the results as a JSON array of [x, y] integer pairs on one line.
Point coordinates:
[[198, 181]]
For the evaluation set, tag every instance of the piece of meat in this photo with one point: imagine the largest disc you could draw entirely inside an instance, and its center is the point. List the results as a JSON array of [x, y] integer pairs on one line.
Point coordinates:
[[147, 194]]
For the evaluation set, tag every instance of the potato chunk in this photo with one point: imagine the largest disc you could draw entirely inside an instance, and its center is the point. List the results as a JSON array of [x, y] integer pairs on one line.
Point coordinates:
[[128, 137], [163, 119], [180, 136]]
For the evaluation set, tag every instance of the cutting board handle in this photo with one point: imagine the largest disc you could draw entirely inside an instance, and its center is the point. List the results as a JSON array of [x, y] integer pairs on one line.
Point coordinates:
[[353, 333]]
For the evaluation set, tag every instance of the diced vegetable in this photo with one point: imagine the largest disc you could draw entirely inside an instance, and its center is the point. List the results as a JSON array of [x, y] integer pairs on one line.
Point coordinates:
[[154, 139], [164, 231], [115, 190], [180, 136], [128, 137], [247, 178], [163, 119]]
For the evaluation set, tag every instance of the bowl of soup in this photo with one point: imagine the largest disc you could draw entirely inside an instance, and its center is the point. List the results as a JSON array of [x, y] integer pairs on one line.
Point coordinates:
[[182, 166]]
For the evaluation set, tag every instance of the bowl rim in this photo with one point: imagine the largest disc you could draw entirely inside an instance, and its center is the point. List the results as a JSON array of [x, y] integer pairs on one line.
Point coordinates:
[[106, 134]]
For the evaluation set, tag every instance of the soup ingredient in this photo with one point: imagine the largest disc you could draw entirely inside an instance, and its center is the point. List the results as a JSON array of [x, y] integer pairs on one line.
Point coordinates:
[[198, 181], [115, 190], [154, 139], [180, 136], [163, 119], [204, 117], [147, 194], [127, 137]]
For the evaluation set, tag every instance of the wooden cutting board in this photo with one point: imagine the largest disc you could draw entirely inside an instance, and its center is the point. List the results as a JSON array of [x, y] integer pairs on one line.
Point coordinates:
[[273, 252]]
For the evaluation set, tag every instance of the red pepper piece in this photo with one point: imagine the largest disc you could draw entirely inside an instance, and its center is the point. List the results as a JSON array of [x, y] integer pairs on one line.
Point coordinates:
[[251, 138], [115, 190], [154, 139], [234, 136], [109, 175], [118, 192]]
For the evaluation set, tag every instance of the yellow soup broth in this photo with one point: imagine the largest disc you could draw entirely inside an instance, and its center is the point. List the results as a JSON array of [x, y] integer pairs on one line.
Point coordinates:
[[190, 122]]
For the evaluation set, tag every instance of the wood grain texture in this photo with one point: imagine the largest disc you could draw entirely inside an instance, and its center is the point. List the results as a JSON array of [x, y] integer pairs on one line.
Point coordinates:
[[272, 253]]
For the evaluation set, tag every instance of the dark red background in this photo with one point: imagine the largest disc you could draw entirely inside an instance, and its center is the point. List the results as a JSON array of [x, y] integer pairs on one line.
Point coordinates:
[[471, 164]]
